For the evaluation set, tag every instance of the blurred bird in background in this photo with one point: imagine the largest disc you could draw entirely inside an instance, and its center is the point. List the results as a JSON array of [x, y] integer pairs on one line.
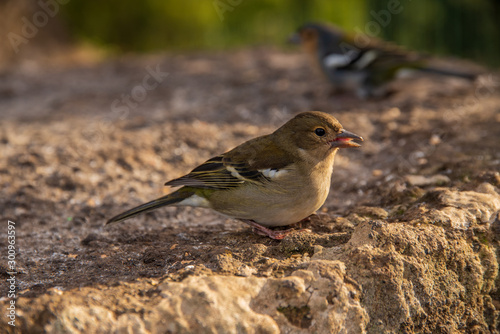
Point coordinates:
[[361, 63]]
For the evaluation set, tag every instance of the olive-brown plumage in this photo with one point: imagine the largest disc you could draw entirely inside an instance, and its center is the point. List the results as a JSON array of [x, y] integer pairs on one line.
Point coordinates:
[[273, 180]]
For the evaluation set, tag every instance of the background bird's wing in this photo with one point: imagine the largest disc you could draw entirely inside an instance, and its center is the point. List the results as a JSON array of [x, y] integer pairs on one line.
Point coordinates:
[[247, 163], [387, 57], [367, 52]]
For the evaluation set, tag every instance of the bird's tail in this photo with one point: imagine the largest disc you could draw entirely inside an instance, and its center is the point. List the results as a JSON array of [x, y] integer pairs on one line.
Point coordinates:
[[169, 199], [464, 75]]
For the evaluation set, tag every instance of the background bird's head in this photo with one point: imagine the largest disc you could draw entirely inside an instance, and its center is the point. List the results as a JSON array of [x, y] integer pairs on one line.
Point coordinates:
[[315, 134], [318, 38]]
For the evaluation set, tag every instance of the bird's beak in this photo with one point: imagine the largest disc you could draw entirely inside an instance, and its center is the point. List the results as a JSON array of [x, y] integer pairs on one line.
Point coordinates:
[[345, 139], [294, 39]]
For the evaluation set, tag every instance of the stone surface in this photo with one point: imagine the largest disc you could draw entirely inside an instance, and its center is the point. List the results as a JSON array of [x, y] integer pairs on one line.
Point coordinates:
[[385, 254], [458, 209], [318, 298], [420, 180]]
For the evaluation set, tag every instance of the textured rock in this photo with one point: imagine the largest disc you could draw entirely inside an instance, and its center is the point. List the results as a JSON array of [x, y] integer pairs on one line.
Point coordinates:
[[420, 180], [418, 278], [387, 254], [457, 209], [426, 274], [319, 298]]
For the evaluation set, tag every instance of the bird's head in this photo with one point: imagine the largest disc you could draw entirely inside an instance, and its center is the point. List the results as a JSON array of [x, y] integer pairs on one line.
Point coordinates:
[[315, 134], [315, 37]]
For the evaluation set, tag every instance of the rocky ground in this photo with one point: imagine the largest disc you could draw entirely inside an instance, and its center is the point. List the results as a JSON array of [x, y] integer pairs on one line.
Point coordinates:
[[407, 242]]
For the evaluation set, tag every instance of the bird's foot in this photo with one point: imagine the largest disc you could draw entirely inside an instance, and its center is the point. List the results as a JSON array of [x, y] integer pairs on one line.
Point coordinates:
[[262, 230]]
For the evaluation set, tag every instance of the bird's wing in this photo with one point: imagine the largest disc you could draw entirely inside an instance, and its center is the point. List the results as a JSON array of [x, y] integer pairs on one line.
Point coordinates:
[[218, 173], [251, 162]]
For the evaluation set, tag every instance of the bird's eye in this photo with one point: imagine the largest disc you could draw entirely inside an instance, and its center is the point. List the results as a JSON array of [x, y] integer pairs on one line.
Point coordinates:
[[320, 132]]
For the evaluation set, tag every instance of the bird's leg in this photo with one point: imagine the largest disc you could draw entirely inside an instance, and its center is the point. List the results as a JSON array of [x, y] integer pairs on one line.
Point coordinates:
[[262, 230]]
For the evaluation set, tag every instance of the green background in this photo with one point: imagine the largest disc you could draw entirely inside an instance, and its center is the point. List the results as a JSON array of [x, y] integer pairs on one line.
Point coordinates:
[[461, 28]]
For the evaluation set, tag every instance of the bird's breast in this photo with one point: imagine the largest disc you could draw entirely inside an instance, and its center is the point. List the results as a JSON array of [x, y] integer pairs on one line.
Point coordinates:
[[286, 198]]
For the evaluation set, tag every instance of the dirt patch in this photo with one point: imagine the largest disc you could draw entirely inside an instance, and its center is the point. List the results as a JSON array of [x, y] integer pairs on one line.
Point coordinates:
[[417, 204]]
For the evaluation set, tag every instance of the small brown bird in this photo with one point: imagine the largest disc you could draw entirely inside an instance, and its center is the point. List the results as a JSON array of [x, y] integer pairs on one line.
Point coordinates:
[[361, 63], [273, 180]]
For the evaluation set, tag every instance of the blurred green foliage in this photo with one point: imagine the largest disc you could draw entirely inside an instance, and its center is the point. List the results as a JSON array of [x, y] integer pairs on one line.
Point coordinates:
[[467, 28], [463, 28], [199, 24]]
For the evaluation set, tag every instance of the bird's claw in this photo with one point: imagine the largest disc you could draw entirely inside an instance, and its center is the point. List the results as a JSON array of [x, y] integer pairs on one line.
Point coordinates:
[[264, 231], [276, 235]]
